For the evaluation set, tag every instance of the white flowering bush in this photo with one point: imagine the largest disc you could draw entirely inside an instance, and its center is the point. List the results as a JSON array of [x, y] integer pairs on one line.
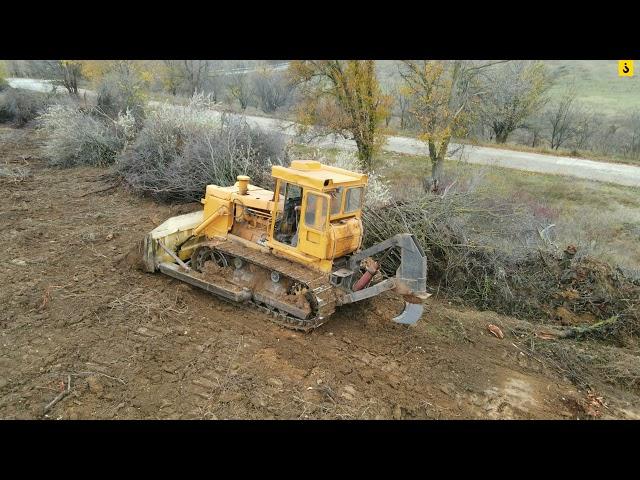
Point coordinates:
[[179, 150], [78, 137], [378, 193]]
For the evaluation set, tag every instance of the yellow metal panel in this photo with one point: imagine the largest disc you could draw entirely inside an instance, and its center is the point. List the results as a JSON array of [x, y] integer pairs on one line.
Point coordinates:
[[224, 220], [317, 243], [345, 237], [317, 176]]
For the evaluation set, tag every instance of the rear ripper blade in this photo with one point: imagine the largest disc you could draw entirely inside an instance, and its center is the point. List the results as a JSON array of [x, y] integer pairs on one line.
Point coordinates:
[[411, 314]]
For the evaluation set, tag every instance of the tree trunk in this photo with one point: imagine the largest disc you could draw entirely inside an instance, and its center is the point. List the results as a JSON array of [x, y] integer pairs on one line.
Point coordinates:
[[364, 154], [437, 166], [437, 171], [501, 136]]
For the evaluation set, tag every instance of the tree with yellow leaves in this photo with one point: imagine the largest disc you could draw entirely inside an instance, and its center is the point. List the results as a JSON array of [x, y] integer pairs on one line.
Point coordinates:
[[445, 95], [343, 97], [96, 70]]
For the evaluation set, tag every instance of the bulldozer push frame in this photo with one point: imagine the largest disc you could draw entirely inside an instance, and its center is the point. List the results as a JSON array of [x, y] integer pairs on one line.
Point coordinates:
[[294, 253]]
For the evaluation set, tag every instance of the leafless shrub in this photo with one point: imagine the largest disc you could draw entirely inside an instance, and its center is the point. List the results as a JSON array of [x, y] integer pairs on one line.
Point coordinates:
[[22, 106], [83, 137], [179, 151], [272, 89]]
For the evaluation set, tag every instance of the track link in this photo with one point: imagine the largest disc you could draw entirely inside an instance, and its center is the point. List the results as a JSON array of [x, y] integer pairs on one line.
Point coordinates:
[[317, 284]]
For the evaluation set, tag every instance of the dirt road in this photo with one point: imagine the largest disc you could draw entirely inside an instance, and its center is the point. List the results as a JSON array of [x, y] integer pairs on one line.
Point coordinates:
[[137, 345], [620, 174]]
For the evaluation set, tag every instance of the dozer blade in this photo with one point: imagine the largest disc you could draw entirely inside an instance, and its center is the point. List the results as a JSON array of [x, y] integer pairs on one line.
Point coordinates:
[[411, 313]]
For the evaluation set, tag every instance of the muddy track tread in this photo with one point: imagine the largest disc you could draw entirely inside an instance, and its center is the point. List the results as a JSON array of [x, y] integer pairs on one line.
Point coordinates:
[[317, 282]]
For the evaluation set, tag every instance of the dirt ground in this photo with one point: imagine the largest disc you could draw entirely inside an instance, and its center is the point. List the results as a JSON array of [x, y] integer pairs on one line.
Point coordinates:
[[145, 346]]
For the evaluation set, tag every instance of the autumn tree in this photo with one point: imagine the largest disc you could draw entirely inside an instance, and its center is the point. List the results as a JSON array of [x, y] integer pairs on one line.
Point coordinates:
[[343, 97], [512, 92], [444, 96], [239, 88]]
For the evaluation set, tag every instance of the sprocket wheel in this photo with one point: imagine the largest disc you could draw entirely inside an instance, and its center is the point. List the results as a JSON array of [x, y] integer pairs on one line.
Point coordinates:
[[205, 254]]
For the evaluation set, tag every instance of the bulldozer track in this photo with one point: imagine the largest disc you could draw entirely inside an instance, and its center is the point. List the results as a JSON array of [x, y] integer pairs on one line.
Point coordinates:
[[316, 282]]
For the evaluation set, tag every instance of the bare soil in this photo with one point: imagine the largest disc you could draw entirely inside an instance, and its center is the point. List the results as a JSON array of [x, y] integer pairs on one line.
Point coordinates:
[[138, 345]]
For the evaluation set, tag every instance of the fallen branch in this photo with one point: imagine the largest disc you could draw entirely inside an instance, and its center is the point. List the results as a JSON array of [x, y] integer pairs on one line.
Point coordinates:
[[62, 394]]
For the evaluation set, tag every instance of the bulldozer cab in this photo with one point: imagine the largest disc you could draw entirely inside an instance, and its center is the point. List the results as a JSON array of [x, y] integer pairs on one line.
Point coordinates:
[[308, 199], [303, 220]]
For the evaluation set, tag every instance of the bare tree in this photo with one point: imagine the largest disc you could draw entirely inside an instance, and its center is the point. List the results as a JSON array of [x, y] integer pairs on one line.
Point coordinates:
[[561, 117], [632, 145], [513, 91], [65, 73], [585, 127], [535, 126], [401, 104], [195, 73], [191, 76], [272, 89]]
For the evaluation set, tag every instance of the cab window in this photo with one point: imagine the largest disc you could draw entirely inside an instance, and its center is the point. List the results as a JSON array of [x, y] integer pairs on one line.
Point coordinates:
[[353, 201], [336, 200], [315, 215]]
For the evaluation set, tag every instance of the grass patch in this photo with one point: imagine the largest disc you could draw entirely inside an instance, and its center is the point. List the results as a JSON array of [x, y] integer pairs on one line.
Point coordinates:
[[597, 84]]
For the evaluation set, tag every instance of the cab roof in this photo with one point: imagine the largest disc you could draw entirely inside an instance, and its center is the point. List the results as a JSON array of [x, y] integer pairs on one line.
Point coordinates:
[[315, 175]]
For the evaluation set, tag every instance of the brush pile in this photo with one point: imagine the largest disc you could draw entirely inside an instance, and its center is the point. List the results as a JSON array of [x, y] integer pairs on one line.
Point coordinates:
[[492, 255]]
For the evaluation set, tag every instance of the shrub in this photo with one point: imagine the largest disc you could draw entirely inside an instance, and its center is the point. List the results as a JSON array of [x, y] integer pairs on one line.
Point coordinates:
[[79, 137], [119, 93], [22, 106], [491, 253], [180, 150]]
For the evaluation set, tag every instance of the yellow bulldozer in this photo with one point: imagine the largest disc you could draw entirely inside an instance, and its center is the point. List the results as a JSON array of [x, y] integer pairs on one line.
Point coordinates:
[[294, 252]]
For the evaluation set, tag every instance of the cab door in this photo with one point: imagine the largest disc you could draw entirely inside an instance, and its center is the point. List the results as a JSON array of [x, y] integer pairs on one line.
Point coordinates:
[[314, 225]]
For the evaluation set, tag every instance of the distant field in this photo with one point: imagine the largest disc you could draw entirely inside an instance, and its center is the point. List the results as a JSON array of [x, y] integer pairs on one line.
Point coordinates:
[[597, 84]]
